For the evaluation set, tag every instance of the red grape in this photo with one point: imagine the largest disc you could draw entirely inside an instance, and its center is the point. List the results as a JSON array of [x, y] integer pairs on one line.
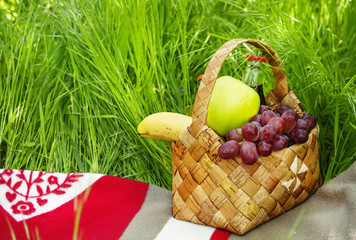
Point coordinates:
[[250, 132], [280, 109], [279, 123], [279, 143], [257, 124], [268, 133], [311, 120], [264, 148], [272, 130], [262, 109], [286, 137], [229, 149], [256, 118], [235, 134], [299, 136], [266, 116], [302, 124], [290, 117], [248, 153]]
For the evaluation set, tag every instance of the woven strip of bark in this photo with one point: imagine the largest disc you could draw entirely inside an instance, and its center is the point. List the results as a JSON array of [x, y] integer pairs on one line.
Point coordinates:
[[226, 193]]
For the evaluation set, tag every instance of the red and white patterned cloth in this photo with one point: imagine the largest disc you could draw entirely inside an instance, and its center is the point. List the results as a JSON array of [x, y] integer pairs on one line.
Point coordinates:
[[51, 205]]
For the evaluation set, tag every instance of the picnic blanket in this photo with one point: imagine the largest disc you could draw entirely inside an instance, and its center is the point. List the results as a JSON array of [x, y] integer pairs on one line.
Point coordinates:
[[44, 205]]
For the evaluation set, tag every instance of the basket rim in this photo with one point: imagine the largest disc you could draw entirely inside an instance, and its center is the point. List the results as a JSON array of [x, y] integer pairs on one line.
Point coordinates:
[[280, 94]]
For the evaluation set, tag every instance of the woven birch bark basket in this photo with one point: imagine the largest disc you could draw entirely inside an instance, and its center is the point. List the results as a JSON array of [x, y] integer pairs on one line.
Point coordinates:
[[226, 193]]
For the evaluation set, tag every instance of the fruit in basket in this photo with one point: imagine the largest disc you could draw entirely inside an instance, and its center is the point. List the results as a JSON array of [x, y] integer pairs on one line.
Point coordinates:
[[266, 116], [264, 148], [302, 124], [229, 149], [299, 135], [257, 124], [235, 134], [232, 104], [268, 133], [164, 125], [257, 118], [280, 109], [272, 129], [290, 117], [262, 109], [250, 132], [248, 152], [279, 123], [311, 121], [280, 142]]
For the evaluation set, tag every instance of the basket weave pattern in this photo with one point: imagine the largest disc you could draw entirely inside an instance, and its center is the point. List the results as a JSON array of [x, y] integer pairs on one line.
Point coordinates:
[[226, 193]]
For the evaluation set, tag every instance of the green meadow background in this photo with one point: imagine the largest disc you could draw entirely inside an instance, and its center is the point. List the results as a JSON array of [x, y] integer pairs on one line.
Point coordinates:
[[77, 77]]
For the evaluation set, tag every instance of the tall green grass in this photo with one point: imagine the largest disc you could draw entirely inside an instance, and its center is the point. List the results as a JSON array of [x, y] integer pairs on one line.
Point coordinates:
[[76, 77]]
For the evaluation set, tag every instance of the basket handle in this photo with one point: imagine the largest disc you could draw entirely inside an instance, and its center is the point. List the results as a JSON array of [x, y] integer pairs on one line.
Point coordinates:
[[202, 99]]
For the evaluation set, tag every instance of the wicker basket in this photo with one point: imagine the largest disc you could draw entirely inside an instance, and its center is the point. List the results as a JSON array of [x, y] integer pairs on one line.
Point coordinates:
[[226, 193]]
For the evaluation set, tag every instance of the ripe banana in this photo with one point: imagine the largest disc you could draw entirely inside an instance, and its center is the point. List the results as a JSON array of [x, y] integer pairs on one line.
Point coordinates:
[[164, 125]]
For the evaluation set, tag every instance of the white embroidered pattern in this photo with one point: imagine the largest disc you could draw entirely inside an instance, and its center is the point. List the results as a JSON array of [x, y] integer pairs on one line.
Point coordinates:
[[25, 194]]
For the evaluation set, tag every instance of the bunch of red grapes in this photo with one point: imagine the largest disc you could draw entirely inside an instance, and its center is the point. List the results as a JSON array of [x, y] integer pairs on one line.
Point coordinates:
[[269, 130]]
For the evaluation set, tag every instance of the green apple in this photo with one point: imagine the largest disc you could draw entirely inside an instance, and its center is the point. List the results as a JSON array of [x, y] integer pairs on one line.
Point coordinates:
[[232, 104]]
